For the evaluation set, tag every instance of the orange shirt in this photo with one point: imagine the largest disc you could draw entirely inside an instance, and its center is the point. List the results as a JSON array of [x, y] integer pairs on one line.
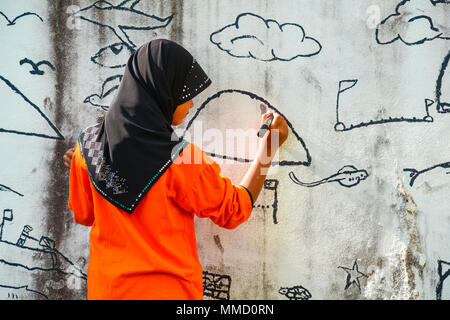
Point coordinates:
[[152, 253]]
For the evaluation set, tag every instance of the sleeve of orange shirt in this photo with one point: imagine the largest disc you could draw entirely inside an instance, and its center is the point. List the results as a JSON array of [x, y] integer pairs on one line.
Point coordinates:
[[213, 195], [80, 193]]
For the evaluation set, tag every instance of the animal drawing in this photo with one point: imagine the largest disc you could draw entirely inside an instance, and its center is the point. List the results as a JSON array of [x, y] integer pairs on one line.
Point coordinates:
[[35, 66], [414, 174], [295, 293], [113, 56], [121, 18], [347, 176], [21, 16], [103, 99]]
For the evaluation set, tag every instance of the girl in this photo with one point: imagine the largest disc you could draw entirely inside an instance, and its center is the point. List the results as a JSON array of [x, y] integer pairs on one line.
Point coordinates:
[[138, 185]]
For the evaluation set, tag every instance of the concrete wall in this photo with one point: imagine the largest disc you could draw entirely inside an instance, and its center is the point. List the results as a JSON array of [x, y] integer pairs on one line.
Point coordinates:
[[363, 84]]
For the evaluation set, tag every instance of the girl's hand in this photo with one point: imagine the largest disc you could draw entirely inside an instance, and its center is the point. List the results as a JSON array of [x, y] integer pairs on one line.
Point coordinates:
[[68, 157], [276, 135]]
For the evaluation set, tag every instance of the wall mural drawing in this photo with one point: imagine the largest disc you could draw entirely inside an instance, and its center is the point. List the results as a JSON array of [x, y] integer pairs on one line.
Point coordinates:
[[8, 189], [353, 275], [415, 22], [444, 273], [121, 18], [19, 293], [340, 125], [6, 216], [13, 21], [11, 123], [216, 286], [30, 254], [348, 176], [295, 293], [269, 198], [414, 173], [443, 87], [113, 56], [239, 99], [104, 98], [252, 36], [35, 66]]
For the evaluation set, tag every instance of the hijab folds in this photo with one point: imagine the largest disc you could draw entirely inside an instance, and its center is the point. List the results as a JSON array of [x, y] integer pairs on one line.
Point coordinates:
[[132, 147]]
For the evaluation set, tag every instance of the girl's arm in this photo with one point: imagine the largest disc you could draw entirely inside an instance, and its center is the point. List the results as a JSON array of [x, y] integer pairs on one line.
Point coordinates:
[[268, 146]]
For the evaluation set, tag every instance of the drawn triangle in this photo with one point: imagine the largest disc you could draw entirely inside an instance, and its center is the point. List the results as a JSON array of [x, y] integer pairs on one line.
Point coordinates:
[[21, 116]]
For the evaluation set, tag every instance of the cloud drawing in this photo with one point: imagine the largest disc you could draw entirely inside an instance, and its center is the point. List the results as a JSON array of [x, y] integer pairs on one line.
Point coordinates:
[[252, 36], [416, 22]]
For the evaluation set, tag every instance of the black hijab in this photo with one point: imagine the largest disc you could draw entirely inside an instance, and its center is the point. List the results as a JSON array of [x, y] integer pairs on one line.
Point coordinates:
[[131, 148]]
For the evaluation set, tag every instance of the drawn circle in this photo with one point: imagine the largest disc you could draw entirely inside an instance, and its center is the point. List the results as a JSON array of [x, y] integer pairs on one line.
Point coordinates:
[[339, 126]]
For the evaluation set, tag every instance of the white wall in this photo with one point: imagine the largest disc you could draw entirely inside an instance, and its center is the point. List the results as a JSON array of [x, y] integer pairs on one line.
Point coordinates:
[[379, 238]]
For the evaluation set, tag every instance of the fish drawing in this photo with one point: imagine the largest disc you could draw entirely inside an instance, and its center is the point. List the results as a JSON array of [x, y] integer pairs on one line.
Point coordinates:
[[113, 56], [348, 176], [414, 174], [295, 293], [121, 18]]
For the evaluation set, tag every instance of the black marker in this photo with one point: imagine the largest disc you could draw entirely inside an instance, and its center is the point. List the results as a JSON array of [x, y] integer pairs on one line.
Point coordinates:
[[265, 126]]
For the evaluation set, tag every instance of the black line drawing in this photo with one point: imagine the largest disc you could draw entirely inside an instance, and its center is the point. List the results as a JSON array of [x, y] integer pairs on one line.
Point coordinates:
[[35, 255], [113, 56], [443, 83], [414, 173], [121, 18], [5, 188], [353, 276], [7, 216], [424, 17], [444, 273], [295, 293], [272, 186], [293, 133], [348, 176], [15, 293], [216, 286], [345, 85], [25, 14], [35, 66], [252, 36], [103, 99], [58, 136]]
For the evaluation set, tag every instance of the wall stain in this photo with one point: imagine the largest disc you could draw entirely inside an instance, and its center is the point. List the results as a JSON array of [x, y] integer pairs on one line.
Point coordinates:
[[413, 254], [58, 221], [218, 243], [176, 26]]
